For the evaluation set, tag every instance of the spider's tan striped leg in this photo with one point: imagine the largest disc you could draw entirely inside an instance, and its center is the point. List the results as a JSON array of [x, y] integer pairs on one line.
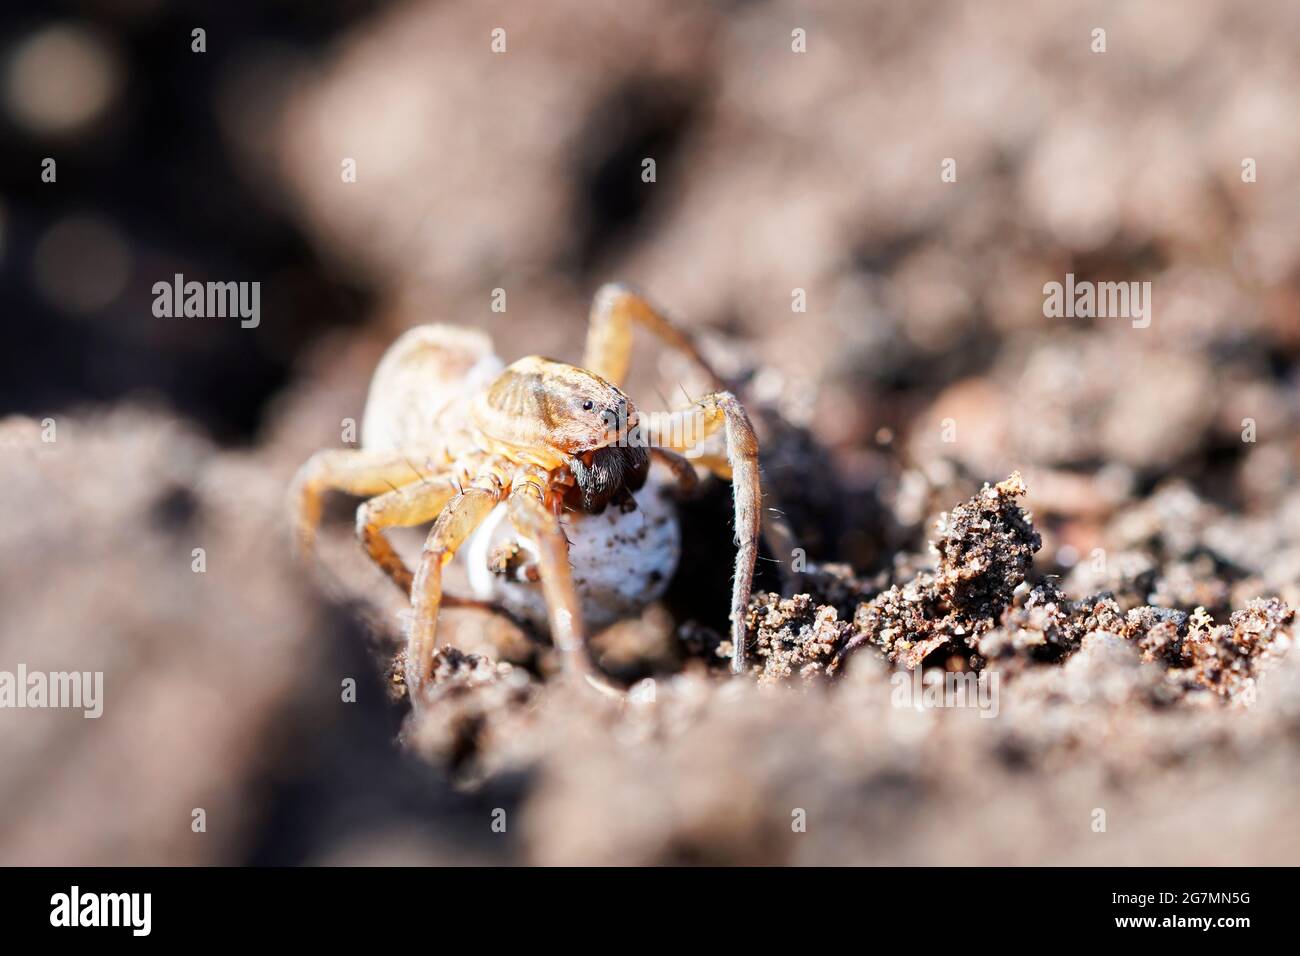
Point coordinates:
[[683, 471], [463, 514], [356, 472], [609, 334], [403, 507], [609, 348], [533, 518], [683, 429]]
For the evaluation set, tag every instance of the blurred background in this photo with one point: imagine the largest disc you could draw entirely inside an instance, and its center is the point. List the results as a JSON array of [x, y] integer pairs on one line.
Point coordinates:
[[776, 173]]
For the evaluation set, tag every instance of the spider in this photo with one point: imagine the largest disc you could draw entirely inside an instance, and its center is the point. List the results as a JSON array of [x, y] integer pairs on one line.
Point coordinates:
[[448, 435]]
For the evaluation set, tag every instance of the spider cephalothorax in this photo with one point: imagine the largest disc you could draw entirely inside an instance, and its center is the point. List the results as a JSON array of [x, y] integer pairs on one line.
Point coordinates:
[[540, 436], [589, 424]]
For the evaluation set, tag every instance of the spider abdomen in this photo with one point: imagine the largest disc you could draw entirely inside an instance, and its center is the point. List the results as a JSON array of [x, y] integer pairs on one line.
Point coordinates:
[[419, 395]]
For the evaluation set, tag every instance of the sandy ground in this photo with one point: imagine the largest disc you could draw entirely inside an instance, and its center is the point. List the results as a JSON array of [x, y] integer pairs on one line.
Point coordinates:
[[1095, 520]]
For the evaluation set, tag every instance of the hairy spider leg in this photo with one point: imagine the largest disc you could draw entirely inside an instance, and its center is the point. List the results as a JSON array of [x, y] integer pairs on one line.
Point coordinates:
[[458, 520], [614, 310], [681, 429], [533, 516], [403, 507], [355, 472], [609, 334]]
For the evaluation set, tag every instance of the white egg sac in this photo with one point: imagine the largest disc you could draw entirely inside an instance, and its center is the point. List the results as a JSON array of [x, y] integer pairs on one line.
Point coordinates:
[[621, 560]]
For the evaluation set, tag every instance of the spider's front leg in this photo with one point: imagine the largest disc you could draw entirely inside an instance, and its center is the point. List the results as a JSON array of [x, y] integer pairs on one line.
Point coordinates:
[[614, 311], [682, 430], [685, 480], [609, 334], [532, 517], [463, 514]]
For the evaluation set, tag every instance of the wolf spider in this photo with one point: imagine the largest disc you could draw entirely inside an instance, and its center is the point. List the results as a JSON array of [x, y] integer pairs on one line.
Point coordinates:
[[448, 435]]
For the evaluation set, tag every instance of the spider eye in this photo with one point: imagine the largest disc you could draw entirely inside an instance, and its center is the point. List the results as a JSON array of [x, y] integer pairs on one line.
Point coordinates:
[[588, 405]]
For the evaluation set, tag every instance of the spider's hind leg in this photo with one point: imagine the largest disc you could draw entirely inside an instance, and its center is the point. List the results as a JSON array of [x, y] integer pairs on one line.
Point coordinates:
[[404, 507], [355, 472]]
